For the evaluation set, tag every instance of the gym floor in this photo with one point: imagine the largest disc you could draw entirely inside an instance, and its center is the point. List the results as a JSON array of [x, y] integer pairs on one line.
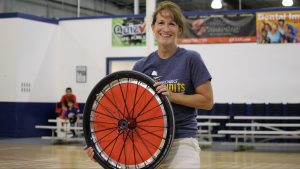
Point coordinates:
[[39, 154]]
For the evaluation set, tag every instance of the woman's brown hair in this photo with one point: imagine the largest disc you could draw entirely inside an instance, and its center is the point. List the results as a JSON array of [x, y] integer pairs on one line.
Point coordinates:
[[174, 11]]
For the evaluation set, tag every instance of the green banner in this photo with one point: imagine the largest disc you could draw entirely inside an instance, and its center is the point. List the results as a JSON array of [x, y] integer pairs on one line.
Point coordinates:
[[128, 32]]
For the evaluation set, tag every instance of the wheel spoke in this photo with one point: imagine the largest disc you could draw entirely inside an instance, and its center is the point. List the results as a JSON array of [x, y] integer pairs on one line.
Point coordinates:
[[133, 148], [112, 149], [151, 133], [153, 126], [115, 139], [136, 89], [149, 141], [151, 119], [101, 122], [113, 104], [95, 111], [124, 100], [103, 137], [132, 111], [137, 151], [146, 105], [104, 129], [98, 103], [147, 148], [127, 95], [142, 113], [123, 147]]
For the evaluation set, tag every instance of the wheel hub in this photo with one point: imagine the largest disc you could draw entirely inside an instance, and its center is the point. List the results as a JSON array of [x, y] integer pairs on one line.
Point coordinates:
[[126, 124]]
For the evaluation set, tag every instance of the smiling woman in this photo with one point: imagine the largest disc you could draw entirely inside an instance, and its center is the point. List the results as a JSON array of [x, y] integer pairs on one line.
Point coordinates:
[[182, 76]]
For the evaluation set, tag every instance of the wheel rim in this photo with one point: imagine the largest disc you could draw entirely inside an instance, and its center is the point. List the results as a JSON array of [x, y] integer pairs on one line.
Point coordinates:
[[128, 124]]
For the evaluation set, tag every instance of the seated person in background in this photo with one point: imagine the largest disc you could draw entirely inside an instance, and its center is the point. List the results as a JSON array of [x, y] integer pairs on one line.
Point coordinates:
[[60, 110], [62, 106], [67, 97], [71, 115]]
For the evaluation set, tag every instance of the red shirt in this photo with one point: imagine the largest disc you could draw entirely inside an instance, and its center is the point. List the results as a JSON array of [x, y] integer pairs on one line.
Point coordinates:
[[65, 99]]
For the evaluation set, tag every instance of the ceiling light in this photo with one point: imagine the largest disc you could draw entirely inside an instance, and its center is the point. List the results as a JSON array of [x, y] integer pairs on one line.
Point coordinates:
[[287, 2], [216, 4]]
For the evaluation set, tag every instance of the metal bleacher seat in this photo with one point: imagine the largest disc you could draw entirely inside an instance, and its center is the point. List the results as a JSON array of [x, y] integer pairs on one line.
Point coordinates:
[[264, 124], [221, 109], [292, 109], [277, 109], [258, 109], [238, 109]]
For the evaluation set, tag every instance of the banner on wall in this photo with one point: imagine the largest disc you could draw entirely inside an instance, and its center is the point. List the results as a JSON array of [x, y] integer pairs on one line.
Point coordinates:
[[220, 28], [128, 32], [278, 27]]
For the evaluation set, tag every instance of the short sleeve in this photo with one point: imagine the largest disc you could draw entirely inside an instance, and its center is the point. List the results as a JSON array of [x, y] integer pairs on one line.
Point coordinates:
[[137, 66], [199, 71]]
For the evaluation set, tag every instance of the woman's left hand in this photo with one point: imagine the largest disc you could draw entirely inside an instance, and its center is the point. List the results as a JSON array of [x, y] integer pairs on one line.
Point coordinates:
[[162, 88]]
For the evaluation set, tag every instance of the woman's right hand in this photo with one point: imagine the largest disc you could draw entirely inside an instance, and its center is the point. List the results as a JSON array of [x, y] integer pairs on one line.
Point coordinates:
[[90, 152]]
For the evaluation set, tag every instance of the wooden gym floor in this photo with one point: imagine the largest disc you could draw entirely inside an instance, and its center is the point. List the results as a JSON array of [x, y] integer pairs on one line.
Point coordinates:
[[49, 156]]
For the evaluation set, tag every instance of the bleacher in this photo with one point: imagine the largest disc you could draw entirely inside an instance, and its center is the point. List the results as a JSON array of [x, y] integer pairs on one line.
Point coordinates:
[[61, 129], [272, 124]]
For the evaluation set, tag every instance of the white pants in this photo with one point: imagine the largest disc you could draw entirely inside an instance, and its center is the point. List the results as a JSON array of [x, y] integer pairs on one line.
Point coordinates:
[[184, 153]]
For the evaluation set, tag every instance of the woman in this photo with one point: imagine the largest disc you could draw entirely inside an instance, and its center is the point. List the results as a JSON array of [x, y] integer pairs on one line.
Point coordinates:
[[274, 35], [184, 78]]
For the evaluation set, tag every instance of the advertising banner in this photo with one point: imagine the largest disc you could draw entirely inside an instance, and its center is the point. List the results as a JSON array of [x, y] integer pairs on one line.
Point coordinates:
[[128, 32], [220, 28], [278, 27]]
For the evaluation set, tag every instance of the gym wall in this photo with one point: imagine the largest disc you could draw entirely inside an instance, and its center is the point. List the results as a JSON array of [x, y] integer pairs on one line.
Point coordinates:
[[39, 59], [28, 75]]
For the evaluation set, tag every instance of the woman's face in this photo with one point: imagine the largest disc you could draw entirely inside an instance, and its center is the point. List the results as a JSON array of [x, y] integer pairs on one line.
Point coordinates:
[[165, 29], [274, 27], [268, 27]]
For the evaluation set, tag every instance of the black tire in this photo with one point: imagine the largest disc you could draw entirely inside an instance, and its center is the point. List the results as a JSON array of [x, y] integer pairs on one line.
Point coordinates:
[[124, 108]]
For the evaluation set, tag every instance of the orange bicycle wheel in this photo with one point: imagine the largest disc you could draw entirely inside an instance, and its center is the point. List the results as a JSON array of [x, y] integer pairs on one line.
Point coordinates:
[[127, 123]]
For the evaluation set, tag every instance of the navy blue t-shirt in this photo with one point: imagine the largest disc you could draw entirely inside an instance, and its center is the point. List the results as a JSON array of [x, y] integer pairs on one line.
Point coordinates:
[[182, 73]]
